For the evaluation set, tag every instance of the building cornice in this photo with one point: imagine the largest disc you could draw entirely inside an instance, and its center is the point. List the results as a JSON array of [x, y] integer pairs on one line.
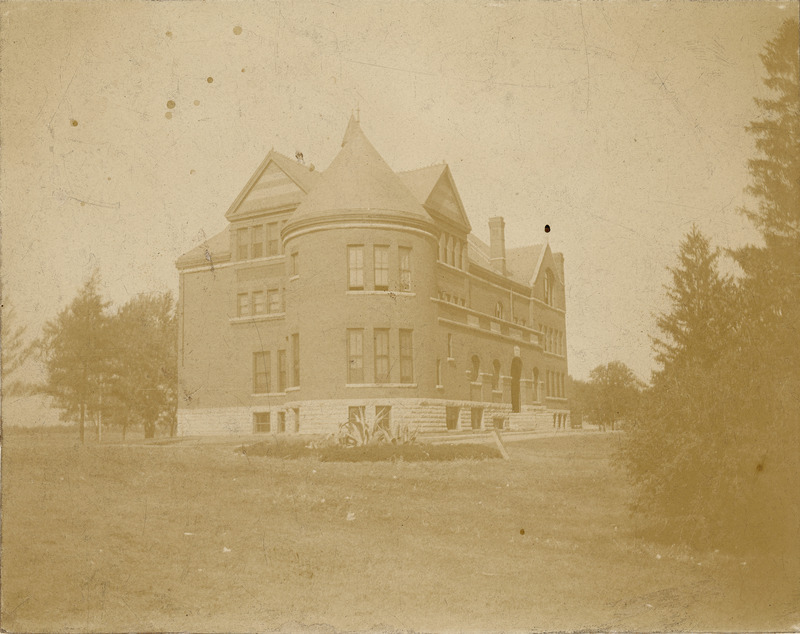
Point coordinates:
[[359, 219]]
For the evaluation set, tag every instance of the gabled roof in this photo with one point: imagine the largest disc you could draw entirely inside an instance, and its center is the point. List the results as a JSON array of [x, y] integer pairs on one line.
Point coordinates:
[[435, 188], [359, 181], [299, 179], [522, 263], [215, 249], [421, 181]]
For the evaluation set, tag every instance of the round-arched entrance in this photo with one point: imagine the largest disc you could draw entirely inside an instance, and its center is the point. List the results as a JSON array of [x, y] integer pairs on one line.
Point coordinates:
[[516, 373]]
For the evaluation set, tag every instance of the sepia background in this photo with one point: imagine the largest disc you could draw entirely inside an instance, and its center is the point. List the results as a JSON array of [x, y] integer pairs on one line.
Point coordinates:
[[127, 128], [618, 124]]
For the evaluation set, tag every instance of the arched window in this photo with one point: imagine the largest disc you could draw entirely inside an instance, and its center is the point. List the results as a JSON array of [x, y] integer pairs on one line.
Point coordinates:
[[449, 346], [498, 310], [476, 368], [457, 254], [450, 250], [496, 375], [442, 247], [548, 287]]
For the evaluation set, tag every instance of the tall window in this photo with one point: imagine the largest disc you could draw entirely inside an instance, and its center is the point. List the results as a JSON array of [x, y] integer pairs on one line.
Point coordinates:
[[498, 310], [259, 303], [355, 268], [273, 238], [261, 382], [476, 368], [449, 346], [548, 287], [355, 356], [281, 422], [243, 304], [274, 303], [243, 243], [496, 375], [295, 269], [438, 372], [457, 255], [281, 370], [261, 422], [295, 360], [405, 268], [257, 241], [381, 255], [381, 355], [406, 357], [450, 250]]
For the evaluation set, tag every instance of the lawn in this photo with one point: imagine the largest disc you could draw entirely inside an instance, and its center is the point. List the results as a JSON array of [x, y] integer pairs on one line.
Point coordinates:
[[200, 537]]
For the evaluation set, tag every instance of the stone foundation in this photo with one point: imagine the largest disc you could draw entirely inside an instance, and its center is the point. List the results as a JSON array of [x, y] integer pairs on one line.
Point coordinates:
[[325, 417]]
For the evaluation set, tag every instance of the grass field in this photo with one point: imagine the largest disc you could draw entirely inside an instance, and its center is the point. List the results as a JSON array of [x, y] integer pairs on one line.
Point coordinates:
[[201, 538]]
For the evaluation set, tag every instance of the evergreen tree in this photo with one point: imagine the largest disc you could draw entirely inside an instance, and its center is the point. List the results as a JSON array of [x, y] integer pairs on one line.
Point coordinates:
[[674, 448], [700, 317], [767, 357], [76, 350]]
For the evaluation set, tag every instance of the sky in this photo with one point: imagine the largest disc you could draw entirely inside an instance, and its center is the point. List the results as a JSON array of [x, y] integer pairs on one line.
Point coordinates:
[[128, 128]]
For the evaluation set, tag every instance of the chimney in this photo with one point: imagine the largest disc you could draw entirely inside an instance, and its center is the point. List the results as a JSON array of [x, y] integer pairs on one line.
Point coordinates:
[[497, 244]]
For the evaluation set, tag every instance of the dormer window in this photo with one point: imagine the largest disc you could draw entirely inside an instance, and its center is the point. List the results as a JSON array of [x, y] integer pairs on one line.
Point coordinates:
[[273, 238], [257, 241], [243, 243]]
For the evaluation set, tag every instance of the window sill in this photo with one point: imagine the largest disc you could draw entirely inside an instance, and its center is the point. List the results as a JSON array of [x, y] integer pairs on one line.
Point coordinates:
[[387, 293], [268, 394], [293, 278], [292, 389], [371, 385], [440, 387], [251, 318], [451, 360], [259, 260]]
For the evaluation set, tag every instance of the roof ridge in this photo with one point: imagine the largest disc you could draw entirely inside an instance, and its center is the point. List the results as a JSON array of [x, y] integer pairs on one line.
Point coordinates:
[[424, 167]]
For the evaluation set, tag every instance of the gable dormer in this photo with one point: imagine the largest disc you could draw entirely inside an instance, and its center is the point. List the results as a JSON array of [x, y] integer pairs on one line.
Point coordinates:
[[278, 184], [548, 279]]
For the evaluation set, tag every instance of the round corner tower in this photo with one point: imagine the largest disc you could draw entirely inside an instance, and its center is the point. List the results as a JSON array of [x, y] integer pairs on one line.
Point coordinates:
[[361, 256]]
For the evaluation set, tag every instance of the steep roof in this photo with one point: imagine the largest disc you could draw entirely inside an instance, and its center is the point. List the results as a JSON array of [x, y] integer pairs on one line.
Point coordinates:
[[359, 181], [522, 263], [421, 181], [435, 188]]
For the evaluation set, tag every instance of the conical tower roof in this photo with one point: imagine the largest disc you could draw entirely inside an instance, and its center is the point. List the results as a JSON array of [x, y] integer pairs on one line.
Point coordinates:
[[359, 183]]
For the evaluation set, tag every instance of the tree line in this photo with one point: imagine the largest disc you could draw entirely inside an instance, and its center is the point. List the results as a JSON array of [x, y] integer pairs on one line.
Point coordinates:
[[712, 445], [113, 368]]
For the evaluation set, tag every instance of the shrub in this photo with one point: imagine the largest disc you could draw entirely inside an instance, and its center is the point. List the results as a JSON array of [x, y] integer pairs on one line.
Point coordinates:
[[376, 452]]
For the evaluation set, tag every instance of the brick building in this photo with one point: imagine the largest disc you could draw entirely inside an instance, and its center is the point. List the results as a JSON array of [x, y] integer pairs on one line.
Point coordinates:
[[362, 290]]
